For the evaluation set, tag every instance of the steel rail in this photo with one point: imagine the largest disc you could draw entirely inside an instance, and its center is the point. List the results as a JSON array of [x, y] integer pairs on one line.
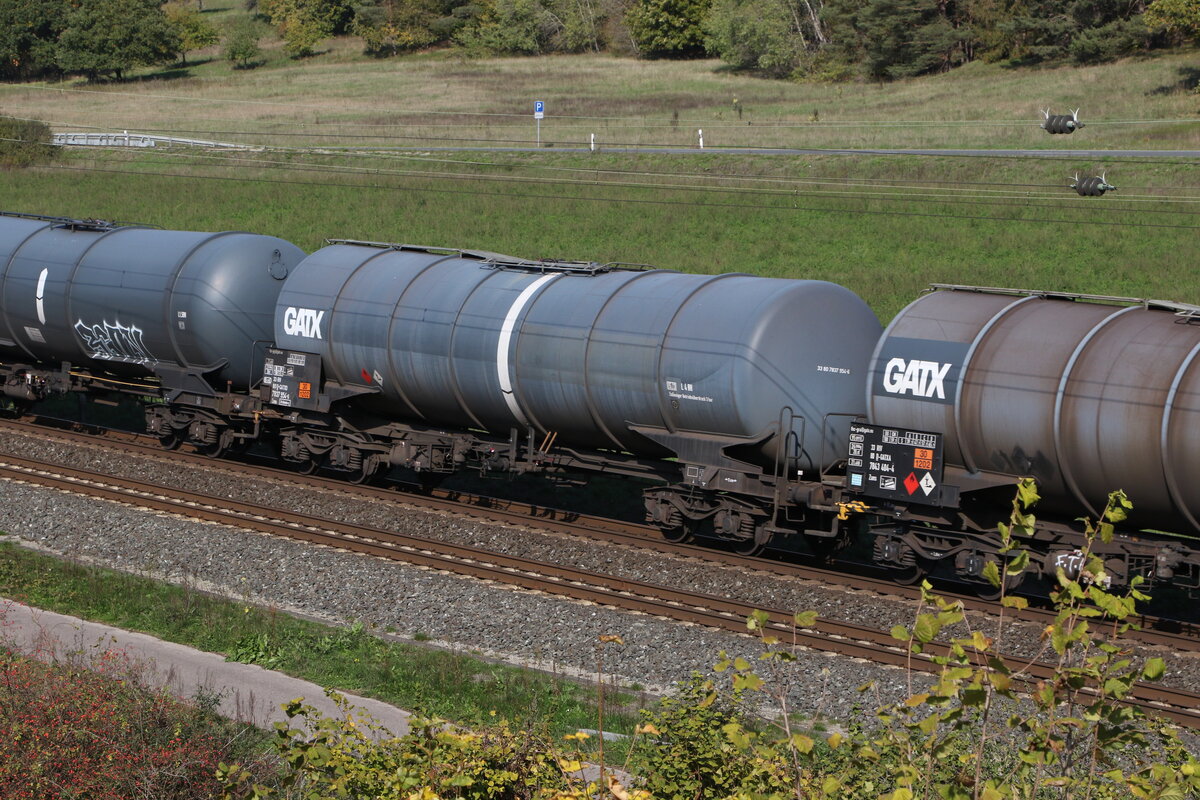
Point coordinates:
[[824, 635], [1181, 636]]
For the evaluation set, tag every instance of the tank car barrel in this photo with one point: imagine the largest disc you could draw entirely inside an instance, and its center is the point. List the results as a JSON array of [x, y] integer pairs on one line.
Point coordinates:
[[1086, 396]]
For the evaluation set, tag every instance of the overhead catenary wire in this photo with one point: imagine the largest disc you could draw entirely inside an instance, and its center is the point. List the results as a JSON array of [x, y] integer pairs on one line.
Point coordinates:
[[562, 146], [994, 199], [964, 190], [641, 201], [976, 189], [972, 186], [550, 144], [902, 192]]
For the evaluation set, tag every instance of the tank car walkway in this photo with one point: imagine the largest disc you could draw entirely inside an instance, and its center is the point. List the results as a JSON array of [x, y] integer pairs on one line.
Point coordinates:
[[247, 692]]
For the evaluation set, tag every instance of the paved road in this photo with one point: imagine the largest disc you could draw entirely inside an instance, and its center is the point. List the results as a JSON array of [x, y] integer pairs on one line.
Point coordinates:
[[248, 693]]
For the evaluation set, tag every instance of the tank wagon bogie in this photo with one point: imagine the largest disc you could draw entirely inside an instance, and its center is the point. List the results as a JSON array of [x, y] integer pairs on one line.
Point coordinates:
[[759, 409]]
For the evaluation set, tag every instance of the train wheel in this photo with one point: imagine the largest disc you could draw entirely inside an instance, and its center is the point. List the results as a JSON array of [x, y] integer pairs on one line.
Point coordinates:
[[747, 535], [756, 542], [306, 467], [170, 441], [908, 576], [215, 450], [1010, 583], [366, 472], [749, 547], [682, 533]]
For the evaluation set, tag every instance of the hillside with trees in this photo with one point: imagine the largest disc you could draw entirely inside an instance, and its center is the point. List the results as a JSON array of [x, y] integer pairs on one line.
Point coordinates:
[[796, 39]]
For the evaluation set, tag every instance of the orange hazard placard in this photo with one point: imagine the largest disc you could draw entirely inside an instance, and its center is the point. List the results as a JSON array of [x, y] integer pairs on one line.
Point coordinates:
[[922, 459], [305, 391]]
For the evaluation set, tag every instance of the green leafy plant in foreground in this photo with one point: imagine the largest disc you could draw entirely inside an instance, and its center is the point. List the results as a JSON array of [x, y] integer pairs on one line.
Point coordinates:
[[981, 729], [984, 729]]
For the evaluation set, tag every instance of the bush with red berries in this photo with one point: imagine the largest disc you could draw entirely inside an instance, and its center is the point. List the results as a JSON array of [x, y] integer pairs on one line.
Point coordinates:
[[98, 730]]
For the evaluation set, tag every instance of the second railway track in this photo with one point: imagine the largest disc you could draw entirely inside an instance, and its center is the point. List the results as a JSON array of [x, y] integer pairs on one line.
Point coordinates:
[[716, 612], [1180, 636]]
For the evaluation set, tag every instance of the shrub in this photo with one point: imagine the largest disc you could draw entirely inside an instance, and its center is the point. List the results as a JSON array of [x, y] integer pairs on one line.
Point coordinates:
[[754, 34], [71, 731], [390, 28], [668, 28], [353, 757], [24, 142]]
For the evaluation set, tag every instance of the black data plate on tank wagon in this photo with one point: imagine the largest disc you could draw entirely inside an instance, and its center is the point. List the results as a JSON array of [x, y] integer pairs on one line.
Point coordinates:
[[294, 377], [895, 464]]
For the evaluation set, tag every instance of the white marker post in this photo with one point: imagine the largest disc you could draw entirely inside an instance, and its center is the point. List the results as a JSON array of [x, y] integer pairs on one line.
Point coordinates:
[[539, 111], [700, 133], [593, 142]]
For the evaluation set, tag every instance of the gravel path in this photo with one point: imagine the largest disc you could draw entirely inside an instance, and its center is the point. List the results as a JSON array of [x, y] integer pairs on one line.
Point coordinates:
[[515, 626]]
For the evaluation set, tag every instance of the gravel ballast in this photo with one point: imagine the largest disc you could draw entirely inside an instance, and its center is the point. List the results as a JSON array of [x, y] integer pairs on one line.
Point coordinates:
[[523, 628], [515, 626]]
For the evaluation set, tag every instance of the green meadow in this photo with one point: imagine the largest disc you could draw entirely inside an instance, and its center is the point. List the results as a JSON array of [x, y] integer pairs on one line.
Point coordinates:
[[413, 150]]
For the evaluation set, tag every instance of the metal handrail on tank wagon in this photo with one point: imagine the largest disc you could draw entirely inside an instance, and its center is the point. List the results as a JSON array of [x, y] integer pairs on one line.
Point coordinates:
[[491, 260], [1189, 311]]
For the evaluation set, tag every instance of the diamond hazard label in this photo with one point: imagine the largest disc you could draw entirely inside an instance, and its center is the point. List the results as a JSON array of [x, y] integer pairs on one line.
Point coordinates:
[[911, 483], [927, 484]]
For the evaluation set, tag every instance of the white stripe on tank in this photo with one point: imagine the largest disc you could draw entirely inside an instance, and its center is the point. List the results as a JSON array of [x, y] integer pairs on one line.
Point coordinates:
[[502, 346], [41, 294]]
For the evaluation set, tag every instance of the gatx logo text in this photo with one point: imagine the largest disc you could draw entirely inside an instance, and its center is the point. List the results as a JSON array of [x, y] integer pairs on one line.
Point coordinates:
[[918, 378], [304, 322]]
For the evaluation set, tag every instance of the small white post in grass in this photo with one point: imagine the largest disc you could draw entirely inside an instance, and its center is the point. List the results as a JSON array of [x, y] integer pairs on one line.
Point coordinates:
[[593, 142], [700, 133]]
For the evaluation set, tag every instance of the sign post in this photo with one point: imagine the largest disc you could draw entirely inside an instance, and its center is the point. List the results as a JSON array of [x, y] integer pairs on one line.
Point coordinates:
[[539, 111]]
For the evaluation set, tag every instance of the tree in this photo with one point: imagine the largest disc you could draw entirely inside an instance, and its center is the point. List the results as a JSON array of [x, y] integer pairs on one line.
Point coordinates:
[[304, 23], [241, 44], [769, 36], [194, 32], [510, 26], [28, 32], [902, 38], [1086, 31], [523, 26], [1180, 17], [388, 27], [108, 37], [668, 28]]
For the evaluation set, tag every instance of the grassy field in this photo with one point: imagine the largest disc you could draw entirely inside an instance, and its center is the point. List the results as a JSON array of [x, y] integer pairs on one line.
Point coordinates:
[[452, 685], [442, 97], [886, 226]]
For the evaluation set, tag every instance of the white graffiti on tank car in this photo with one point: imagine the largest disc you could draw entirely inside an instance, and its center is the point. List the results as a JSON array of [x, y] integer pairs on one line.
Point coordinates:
[[113, 341]]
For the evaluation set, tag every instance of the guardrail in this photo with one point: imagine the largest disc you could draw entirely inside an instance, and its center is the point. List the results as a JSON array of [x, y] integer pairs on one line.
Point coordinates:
[[127, 139]]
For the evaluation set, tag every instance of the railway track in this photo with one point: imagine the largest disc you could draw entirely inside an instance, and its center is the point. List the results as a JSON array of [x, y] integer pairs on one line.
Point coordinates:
[[1179, 636], [715, 612]]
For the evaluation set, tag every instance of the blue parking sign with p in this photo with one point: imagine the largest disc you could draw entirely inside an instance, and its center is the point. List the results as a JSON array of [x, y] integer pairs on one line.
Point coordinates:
[[539, 109]]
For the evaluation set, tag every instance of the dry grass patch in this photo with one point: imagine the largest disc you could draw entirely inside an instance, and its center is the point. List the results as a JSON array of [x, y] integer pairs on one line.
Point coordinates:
[[627, 100]]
